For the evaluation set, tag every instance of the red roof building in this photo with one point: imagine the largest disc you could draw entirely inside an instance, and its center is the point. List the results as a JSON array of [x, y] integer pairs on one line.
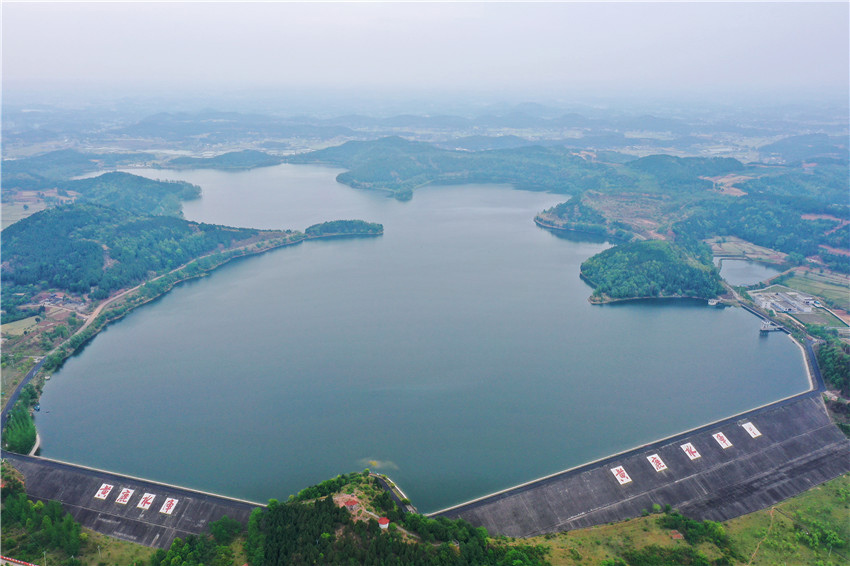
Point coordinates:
[[383, 522], [352, 504]]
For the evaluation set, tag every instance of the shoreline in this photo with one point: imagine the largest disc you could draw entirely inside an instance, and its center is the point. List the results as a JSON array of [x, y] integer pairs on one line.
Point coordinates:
[[609, 300], [99, 321], [223, 257], [246, 251], [807, 363], [612, 300], [607, 235], [774, 264], [343, 236]]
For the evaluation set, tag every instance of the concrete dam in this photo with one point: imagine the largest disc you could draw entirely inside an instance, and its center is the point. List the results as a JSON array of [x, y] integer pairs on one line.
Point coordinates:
[[719, 471]]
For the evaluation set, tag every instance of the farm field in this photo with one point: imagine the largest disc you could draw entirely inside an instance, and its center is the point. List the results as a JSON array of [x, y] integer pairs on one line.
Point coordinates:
[[821, 317], [17, 205], [833, 287], [12, 212], [730, 246], [18, 327]]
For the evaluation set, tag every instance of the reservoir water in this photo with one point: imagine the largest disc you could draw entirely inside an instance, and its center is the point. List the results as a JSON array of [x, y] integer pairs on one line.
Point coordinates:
[[743, 272], [456, 353]]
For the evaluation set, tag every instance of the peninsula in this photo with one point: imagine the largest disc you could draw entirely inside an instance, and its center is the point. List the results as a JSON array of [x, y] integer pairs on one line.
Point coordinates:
[[651, 269]]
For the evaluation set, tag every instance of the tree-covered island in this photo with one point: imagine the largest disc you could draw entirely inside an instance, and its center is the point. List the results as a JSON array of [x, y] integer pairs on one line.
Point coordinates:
[[344, 229]]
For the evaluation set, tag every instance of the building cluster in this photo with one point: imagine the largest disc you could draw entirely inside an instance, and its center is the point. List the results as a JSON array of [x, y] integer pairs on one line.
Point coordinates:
[[787, 302], [352, 505], [61, 300]]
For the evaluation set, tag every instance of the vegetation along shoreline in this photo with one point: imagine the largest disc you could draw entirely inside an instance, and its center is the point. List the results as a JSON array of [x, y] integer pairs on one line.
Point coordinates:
[[21, 429]]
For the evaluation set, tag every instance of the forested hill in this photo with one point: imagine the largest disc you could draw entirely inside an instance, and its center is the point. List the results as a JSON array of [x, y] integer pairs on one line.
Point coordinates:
[[652, 268], [234, 160], [312, 529], [94, 250], [134, 193], [45, 170], [354, 153], [685, 173], [55, 170], [399, 166]]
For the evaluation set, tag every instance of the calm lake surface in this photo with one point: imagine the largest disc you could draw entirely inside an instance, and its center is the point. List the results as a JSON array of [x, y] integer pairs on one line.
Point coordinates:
[[743, 272], [456, 353]]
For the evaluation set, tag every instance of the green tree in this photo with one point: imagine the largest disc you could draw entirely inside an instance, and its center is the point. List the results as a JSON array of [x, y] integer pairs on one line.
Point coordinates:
[[20, 433], [225, 530]]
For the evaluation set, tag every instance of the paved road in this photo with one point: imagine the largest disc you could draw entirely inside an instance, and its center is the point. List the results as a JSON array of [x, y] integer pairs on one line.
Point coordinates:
[[811, 361], [17, 392], [389, 489]]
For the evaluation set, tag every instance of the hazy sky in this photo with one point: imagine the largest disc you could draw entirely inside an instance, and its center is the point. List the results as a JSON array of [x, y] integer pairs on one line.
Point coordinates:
[[544, 48]]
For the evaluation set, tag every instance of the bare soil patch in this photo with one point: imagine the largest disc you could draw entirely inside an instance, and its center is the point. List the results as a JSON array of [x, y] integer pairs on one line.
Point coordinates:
[[836, 251], [725, 184], [641, 212]]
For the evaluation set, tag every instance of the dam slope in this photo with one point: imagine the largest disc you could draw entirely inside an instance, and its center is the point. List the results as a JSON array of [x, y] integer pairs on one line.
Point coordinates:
[[115, 504], [760, 458]]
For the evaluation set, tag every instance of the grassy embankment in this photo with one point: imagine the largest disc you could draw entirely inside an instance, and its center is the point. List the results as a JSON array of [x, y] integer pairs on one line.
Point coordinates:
[[764, 538], [18, 327], [15, 211], [18, 204]]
